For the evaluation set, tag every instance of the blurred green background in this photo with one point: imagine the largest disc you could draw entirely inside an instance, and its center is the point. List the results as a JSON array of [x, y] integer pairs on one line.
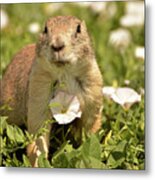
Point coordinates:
[[121, 139]]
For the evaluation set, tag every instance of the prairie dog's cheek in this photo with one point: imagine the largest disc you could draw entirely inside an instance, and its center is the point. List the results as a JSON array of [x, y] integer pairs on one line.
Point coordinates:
[[72, 58]]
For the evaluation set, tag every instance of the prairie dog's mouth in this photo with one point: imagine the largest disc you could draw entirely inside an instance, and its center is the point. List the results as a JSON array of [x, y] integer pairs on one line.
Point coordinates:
[[61, 62], [60, 59], [58, 56]]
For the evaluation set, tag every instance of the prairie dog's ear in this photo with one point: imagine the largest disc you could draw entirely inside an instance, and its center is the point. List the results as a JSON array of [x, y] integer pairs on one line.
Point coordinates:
[[83, 24], [80, 28], [41, 42]]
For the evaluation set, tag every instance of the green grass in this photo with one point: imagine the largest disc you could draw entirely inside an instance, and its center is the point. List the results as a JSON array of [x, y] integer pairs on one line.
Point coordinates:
[[120, 142]]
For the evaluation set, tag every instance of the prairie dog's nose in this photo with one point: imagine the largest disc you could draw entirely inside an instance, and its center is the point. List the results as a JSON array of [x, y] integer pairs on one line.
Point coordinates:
[[58, 45]]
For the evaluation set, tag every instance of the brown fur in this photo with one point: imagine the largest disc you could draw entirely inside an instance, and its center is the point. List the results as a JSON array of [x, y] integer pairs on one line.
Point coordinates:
[[14, 84], [29, 86]]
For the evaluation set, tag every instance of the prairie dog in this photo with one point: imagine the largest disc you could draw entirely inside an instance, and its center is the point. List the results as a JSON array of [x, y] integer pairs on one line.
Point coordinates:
[[63, 54]]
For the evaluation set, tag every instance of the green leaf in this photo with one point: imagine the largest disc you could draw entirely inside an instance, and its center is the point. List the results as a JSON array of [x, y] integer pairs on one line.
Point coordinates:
[[15, 134], [92, 147], [60, 150], [115, 159], [90, 162], [95, 163], [121, 146], [43, 162], [3, 124], [26, 161], [19, 135], [80, 164], [11, 132], [61, 161], [117, 156]]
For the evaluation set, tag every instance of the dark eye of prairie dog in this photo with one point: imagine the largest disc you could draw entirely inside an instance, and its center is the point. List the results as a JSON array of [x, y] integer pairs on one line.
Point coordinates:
[[45, 30], [78, 29]]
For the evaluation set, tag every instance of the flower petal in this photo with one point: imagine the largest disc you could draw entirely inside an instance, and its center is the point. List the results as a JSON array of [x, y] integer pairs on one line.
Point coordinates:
[[120, 38], [64, 118], [51, 8], [134, 14], [98, 7], [65, 107], [108, 91], [34, 27], [124, 96], [140, 53], [4, 19]]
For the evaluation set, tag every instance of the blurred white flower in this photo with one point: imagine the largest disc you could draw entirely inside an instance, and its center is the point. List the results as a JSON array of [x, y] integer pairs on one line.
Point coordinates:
[[142, 91], [127, 82], [98, 7], [53, 7], [65, 107], [111, 9], [140, 53], [107, 9], [131, 20], [134, 14], [120, 38], [126, 97], [4, 19], [34, 27], [84, 4], [136, 8]]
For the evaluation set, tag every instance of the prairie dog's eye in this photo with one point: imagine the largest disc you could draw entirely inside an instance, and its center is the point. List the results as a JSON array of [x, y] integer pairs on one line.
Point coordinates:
[[78, 29], [45, 30]]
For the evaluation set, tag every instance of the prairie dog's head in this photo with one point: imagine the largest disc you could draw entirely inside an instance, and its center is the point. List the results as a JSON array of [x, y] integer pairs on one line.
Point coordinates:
[[64, 40]]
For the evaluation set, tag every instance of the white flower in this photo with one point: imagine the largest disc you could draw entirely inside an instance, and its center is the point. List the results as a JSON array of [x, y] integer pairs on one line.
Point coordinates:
[[120, 38], [108, 91], [136, 8], [53, 7], [84, 4], [4, 19], [111, 9], [98, 7], [134, 14], [34, 28], [126, 97], [140, 53], [142, 91], [127, 82], [108, 9], [65, 107], [131, 20]]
